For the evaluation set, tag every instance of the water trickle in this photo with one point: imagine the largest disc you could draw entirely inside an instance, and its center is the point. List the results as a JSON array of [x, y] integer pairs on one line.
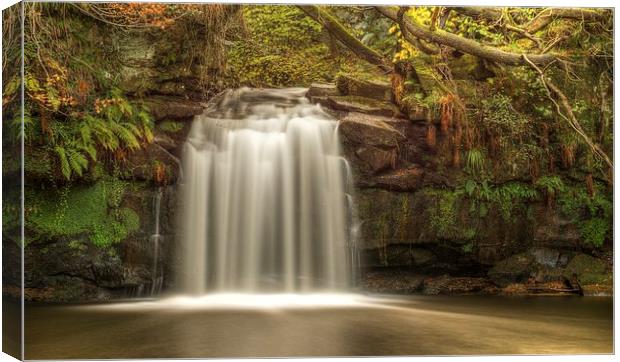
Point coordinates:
[[156, 239], [265, 202]]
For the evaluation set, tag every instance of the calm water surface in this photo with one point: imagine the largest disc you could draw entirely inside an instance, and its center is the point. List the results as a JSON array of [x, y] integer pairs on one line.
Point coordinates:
[[417, 325]]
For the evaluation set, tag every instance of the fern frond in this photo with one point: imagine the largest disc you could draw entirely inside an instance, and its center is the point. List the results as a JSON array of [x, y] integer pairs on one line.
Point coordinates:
[[77, 161], [65, 168]]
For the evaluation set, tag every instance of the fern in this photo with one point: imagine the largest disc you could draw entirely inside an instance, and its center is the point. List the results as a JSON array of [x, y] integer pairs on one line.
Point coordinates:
[[65, 168], [78, 162], [475, 161]]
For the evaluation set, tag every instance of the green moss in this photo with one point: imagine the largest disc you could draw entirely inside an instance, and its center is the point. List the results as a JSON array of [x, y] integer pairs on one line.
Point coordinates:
[[284, 48], [92, 210], [170, 126], [443, 213], [588, 270]]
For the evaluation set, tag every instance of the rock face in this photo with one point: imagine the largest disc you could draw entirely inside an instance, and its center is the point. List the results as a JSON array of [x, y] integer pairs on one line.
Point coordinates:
[[73, 269], [418, 234], [360, 104]]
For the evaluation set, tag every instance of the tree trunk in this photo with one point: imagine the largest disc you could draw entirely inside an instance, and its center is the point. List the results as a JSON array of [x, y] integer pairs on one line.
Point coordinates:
[[339, 32]]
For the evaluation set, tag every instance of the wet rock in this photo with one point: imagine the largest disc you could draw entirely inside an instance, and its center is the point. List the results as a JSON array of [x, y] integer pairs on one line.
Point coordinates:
[[370, 142], [321, 90], [514, 269], [172, 108], [514, 289], [369, 130], [391, 282], [361, 105], [374, 159], [545, 256], [385, 218], [457, 285], [374, 89], [407, 179], [399, 255], [547, 274], [554, 231]]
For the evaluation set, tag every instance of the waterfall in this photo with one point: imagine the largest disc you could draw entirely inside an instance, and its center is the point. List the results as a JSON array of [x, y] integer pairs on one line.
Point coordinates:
[[264, 204]]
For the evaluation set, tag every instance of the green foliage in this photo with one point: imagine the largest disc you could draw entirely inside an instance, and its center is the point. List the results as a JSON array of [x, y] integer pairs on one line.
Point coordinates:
[[474, 161], [594, 231], [499, 117], [593, 215], [467, 247], [443, 216], [75, 114], [92, 210], [284, 47], [507, 197], [550, 184]]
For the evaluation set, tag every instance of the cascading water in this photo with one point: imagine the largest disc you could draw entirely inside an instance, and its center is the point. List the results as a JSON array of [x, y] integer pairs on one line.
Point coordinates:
[[265, 202]]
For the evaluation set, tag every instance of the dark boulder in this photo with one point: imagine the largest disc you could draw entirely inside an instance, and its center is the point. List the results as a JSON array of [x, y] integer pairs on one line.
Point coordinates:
[[591, 275], [514, 269]]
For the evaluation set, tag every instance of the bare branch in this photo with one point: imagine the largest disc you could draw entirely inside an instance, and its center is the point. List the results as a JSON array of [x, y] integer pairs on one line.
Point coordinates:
[[548, 15], [551, 89]]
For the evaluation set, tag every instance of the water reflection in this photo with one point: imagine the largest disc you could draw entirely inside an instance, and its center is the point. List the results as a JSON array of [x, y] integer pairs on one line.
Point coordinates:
[[346, 325]]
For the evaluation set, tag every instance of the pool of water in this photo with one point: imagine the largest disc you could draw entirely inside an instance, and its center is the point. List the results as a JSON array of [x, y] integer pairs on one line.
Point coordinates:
[[328, 325]]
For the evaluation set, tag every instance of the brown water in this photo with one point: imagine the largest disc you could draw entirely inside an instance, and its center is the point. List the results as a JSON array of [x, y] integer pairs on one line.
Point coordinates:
[[417, 325]]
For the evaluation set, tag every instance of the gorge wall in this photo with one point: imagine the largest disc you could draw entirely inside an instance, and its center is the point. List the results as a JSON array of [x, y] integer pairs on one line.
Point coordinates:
[[421, 231]]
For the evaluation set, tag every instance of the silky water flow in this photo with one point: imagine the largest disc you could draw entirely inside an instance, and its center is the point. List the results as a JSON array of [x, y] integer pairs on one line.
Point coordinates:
[[266, 202]]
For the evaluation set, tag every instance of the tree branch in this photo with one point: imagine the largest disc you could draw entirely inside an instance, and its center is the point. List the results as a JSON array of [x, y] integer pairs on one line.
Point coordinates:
[[546, 16], [339, 32], [465, 45], [479, 12]]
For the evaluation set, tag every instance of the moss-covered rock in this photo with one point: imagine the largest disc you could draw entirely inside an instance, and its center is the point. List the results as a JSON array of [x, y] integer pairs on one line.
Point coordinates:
[[515, 269], [91, 210], [588, 270], [321, 90], [373, 89]]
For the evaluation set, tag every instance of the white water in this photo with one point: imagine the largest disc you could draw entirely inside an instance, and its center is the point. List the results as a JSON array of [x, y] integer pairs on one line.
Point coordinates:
[[264, 200]]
